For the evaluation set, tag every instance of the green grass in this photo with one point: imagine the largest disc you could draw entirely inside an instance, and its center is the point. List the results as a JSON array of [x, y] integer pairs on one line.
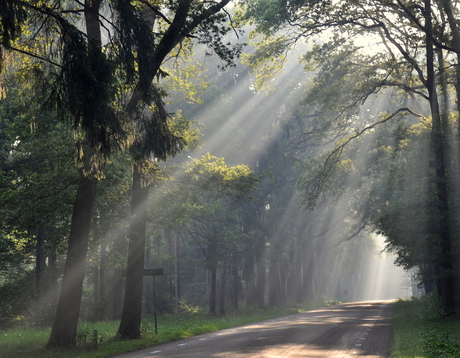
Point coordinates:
[[20, 343], [420, 331]]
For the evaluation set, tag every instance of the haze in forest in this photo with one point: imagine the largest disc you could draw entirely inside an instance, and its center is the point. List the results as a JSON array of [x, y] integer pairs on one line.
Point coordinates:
[[318, 162]]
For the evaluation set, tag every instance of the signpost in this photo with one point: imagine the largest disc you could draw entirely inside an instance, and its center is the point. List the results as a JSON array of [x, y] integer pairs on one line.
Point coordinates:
[[147, 272]]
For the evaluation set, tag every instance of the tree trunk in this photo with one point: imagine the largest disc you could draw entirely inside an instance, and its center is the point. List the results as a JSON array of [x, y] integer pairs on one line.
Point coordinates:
[[249, 277], [64, 330], [148, 284], [260, 283], [236, 282], [130, 323], [447, 278], [52, 258], [455, 29], [172, 280], [223, 289], [274, 279], [213, 291], [308, 273], [177, 291], [297, 289], [102, 281], [117, 294], [96, 316], [40, 259], [282, 294]]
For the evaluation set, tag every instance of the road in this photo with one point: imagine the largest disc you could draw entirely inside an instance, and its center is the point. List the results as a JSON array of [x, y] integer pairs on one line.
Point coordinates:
[[360, 329]]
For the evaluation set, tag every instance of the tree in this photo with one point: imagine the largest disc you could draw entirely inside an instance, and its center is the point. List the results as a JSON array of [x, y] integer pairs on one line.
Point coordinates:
[[403, 28], [185, 19], [38, 150]]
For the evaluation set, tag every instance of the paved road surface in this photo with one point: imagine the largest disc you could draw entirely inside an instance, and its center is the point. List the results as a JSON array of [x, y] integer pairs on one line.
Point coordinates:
[[360, 329]]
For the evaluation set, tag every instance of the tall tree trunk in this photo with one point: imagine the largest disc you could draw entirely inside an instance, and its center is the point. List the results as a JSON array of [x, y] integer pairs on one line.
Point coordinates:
[[40, 259], [213, 290], [274, 279], [102, 281], [117, 294], [249, 277], [455, 29], [64, 330], [223, 288], [148, 284], [96, 297], [236, 283], [308, 272], [298, 291], [260, 283], [447, 279], [130, 323], [177, 291], [172, 280], [282, 294], [52, 263]]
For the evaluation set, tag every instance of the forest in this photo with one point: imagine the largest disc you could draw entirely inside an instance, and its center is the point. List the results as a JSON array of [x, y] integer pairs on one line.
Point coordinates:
[[256, 152]]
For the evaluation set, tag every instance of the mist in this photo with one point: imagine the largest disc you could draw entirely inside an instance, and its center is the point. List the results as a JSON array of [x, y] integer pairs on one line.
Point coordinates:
[[272, 130]]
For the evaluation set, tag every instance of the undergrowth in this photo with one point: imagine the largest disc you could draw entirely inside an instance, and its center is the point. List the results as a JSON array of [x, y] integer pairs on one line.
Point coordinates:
[[421, 331]]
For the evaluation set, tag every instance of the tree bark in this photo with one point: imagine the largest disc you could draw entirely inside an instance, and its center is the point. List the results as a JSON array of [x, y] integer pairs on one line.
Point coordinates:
[[274, 279], [102, 281], [447, 281], [40, 259], [249, 277], [236, 283], [64, 330], [117, 294], [213, 291], [177, 286], [455, 29], [52, 258], [96, 315], [148, 284], [282, 293], [223, 288], [130, 323], [260, 283]]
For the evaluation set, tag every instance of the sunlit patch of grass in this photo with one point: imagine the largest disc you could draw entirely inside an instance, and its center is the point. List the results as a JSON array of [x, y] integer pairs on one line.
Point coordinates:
[[420, 331], [189, 322]]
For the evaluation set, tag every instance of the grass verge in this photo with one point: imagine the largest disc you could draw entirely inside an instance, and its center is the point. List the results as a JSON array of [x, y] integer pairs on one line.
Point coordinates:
[[420, 331], [20, 343]]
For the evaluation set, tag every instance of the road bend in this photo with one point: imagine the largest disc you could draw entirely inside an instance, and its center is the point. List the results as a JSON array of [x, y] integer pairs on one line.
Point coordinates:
[[359, 329]]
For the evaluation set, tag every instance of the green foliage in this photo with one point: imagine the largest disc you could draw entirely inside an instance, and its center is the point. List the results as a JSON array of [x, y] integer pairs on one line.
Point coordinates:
[[407, 214], [16, 297], [213, 174], [38, 176], [267, 60], [421, 331], [11, 17]]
